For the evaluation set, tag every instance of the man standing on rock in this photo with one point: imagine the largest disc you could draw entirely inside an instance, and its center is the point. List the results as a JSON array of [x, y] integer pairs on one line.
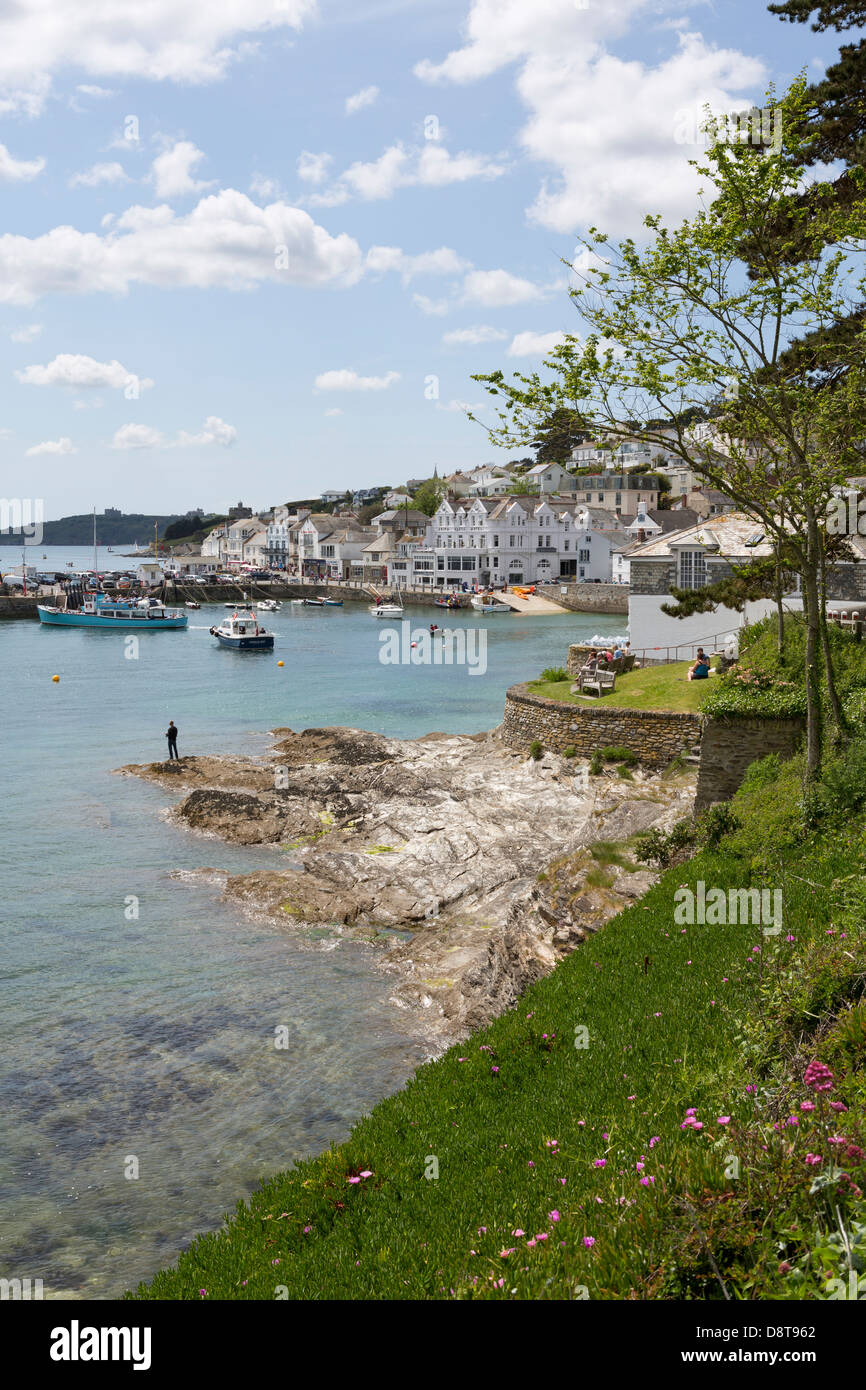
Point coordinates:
[[171, 735]]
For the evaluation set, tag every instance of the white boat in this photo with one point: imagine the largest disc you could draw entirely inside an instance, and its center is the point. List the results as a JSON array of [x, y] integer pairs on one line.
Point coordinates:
[[191, 603], [484, 603], [242, 632], [387, 609], [268, 605]]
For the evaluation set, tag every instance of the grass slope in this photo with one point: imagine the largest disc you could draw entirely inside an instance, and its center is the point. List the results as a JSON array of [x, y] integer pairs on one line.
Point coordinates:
[[539, 1160]]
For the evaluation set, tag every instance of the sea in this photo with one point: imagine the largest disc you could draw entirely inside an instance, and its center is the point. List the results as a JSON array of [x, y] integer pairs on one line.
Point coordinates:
[[141, 1093]]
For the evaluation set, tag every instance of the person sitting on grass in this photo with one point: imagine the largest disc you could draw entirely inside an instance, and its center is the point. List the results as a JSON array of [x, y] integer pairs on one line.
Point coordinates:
[[700, 667]]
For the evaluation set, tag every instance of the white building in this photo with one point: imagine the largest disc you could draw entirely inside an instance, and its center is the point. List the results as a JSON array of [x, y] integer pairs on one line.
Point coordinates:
[[513, 540]]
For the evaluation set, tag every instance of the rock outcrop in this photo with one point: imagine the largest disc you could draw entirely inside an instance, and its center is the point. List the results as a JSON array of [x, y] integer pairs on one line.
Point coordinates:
[[474, 868]]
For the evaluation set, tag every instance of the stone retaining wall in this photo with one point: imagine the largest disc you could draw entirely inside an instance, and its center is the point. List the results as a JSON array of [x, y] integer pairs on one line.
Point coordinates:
[[728, 746], [589, 598], [656, 736], [13, 607]]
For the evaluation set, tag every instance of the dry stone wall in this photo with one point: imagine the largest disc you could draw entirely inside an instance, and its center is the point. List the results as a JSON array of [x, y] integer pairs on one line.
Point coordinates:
[[656, 736]]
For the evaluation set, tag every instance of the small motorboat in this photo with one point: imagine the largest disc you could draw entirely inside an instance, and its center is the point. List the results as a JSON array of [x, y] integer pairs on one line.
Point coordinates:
[[388, 610], [333, 602], [191, 603], [242, 632], [486, 603], [313, 602], [451, 602], [268, 605]]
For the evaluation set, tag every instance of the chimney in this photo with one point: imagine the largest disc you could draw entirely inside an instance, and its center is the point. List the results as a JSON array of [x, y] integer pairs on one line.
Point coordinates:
[[641, 536]]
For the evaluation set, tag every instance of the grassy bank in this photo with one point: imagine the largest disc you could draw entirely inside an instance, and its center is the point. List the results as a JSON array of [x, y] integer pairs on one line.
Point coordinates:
[[638, 1126]]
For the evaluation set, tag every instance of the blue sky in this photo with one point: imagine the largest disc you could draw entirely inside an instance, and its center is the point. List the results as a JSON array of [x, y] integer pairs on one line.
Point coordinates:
[[258, 249]]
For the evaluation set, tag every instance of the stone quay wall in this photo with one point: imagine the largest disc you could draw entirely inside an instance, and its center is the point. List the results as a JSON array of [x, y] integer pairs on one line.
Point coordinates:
[[589, 598], [656, 736]]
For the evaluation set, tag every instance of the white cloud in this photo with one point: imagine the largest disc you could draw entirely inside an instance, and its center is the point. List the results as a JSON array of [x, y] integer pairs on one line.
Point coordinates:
[[77, 370], [26, 333], [473, 336], [437, 307], [18, 170], [335, 410], [138, 437], [497, 288], [99, 173], [214, 431], [90, 89], [604, 127], [161, 41], [429, 166], [443, 261], [226, 240], [348, 380], [313, 168], [534, 344], [461, 407], [264, 188], [360, 100], [172, 171], [53, 446]]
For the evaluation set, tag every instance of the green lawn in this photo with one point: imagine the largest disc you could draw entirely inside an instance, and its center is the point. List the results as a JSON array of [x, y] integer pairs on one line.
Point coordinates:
[[653, 687]]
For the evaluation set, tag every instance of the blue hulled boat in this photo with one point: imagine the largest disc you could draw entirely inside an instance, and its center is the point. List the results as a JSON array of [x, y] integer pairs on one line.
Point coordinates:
[[98, 610], [242, 632]]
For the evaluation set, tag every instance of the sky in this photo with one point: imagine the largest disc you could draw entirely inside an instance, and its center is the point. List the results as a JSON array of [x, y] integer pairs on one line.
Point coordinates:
[[255, 249]]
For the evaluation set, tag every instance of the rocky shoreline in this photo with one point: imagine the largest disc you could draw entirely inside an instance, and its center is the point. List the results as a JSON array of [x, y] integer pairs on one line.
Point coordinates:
[[473, 868]]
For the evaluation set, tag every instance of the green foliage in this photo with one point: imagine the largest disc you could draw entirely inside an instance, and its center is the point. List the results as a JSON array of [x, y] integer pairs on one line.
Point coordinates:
[[656, 847], [554, 674], [596, 764], [570, 751], [536, 750], [428, 496], [614, 753], [715, 823]]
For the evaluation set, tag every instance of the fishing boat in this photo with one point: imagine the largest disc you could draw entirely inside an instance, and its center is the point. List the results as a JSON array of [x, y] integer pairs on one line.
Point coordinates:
[[242, 632], [267, 605], [98, 610], [485, 603]]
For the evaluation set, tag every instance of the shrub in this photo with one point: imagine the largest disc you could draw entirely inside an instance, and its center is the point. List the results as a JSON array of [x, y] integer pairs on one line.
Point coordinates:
[[715, 823], [570, 751], [655, 847], [554, 674], [615, 754], [535, 750], [596, 766]]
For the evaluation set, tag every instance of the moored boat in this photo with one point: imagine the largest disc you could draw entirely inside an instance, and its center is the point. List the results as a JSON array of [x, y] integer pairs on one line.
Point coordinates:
[[242, 632], [98, 610], [267, 605], [451, 602], [485, 603], [313, 602], [333, 602]]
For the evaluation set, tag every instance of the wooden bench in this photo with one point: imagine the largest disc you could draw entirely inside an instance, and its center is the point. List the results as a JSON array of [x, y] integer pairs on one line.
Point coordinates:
[[600, 680]]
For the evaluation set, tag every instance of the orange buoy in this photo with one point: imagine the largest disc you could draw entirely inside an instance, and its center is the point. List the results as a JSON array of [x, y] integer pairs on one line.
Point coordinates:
[[55, 679], [281, 663]]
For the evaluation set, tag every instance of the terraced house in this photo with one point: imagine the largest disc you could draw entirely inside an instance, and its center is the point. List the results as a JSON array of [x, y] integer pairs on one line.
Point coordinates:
[[511, 540]]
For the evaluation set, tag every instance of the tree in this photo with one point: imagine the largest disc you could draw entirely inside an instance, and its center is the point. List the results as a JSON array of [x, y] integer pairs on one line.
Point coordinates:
[[428, 496], [557, 436], [689, 322]]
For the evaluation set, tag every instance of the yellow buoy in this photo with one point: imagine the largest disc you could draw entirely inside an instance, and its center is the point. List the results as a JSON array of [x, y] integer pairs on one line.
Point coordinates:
[[55, 678], [281, 663]]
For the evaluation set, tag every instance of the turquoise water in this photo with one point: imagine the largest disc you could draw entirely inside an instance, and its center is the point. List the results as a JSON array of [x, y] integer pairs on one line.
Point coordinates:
[[152, 1038]]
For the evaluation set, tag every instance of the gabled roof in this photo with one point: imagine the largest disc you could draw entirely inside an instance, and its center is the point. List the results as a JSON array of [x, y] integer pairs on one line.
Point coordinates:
[[727, 535], [671, 519]]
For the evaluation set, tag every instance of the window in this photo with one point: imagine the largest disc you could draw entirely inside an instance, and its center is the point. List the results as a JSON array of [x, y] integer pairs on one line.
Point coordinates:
[[566, 545], [495, 542], [440, 562], [469, 562], [693, 569], [583, 557]]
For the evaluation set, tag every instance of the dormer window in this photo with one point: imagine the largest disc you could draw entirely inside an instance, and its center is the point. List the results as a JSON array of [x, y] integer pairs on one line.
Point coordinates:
[[693, 569]]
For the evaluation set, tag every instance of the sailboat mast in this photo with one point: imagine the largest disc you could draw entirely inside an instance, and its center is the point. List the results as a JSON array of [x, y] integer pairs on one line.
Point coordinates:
[[95, 555]]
